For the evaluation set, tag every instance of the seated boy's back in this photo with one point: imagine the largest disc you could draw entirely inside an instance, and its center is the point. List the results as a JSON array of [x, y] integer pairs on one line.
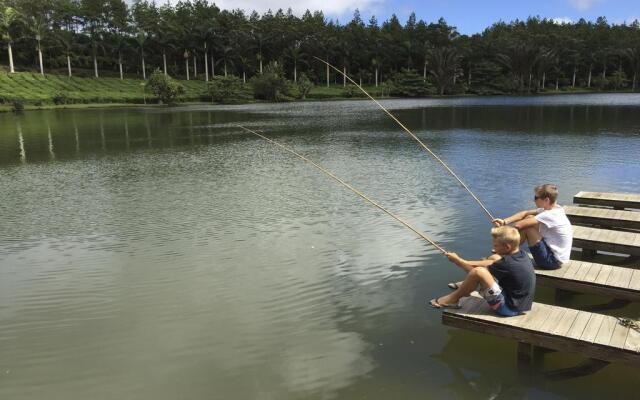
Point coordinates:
[[517, 278]]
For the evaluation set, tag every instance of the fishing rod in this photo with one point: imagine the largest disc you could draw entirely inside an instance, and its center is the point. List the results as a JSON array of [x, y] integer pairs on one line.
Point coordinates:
[[345, 184], [413, 136]]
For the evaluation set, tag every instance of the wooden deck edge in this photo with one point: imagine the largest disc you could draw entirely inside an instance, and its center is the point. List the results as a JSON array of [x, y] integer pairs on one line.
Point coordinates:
[[597, 222], [589, 287], [536, 338], [605, 203], [608, 247]]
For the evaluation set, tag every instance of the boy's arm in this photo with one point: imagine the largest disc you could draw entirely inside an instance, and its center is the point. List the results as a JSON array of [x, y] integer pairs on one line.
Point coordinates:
[[519, 216], [468, 265]]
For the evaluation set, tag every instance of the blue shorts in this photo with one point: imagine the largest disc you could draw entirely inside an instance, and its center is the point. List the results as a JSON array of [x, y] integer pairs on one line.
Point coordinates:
[[543, 256], [498, 304]]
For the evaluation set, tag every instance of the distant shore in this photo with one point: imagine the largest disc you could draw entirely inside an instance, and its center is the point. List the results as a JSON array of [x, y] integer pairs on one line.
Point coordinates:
[[35, 92]]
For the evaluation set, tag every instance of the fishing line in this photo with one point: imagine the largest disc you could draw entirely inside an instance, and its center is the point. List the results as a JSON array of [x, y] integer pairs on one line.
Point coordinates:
[[413, 136], [354, 190]]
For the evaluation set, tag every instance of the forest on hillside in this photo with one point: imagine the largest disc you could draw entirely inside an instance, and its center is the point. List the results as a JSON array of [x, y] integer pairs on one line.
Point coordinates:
[[197, 40]]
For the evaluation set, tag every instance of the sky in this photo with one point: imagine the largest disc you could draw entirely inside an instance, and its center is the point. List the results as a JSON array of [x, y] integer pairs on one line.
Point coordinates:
[[467, 15]]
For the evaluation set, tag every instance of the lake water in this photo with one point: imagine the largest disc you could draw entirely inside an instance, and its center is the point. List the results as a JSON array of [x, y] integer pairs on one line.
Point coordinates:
[[163, 253]]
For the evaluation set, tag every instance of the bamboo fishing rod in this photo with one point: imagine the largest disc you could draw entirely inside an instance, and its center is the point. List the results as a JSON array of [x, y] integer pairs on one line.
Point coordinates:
[[412, 135], [345, 184]]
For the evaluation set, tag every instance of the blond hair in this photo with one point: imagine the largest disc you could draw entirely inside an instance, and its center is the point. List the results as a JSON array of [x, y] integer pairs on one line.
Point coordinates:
[[547, 191], [506, 235]]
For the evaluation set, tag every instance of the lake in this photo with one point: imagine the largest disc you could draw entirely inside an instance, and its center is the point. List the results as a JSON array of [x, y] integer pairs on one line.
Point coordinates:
[[164, 253]]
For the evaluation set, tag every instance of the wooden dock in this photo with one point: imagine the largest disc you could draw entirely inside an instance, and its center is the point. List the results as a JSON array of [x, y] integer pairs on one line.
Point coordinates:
[[601, 338], [617, 201], [606, 240], [600, 279], [596, 336], [604, 217]]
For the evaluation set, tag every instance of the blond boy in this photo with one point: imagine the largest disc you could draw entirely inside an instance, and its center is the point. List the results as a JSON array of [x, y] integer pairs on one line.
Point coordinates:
[[506, 278]]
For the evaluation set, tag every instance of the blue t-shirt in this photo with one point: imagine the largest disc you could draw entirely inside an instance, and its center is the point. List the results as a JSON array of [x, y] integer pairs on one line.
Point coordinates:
[[517, 278]]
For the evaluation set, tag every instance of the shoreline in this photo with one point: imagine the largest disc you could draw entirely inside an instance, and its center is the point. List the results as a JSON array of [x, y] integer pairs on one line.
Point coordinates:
[[6, 108]]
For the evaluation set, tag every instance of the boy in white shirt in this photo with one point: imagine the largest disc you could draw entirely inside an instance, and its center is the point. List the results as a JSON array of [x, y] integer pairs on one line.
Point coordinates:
[[546, 229]]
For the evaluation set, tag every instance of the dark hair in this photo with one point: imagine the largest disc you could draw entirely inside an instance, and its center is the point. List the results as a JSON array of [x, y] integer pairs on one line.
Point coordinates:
[[547, 191]]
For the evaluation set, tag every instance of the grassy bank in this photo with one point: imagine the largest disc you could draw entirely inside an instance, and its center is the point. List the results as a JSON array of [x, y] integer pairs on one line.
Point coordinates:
[[36, 91]]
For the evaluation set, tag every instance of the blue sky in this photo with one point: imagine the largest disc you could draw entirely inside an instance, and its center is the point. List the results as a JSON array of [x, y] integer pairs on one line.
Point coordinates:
[[469, 16]]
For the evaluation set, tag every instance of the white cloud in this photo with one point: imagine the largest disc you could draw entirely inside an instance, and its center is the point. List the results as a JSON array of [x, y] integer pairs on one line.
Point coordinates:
[[331, 8], [631, 20], [562, 20], [584, 5]]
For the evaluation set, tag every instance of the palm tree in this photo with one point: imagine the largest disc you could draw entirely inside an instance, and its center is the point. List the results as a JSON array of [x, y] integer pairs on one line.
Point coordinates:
[[427, 48], [38, 27], [519, 59], [226, 57], [65, 39], [444, 66], [7, 17], [547, 59], [186, 61], [259, 39], [295, 53], [633, 55], [244, 64], [120, 44], [141, 37]]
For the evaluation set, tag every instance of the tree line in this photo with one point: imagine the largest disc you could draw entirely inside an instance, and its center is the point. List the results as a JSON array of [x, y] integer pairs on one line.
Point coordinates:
[[197, 40]]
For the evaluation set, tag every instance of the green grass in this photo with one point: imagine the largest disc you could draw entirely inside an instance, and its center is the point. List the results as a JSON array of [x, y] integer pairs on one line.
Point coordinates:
[[338, 91], [35, 89]]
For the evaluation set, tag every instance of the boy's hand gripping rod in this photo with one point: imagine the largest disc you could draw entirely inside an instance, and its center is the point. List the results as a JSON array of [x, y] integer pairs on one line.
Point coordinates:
[[413, 136], [345, 184]]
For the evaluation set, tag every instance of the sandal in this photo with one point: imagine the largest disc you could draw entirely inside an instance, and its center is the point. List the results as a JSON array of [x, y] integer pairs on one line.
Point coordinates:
[[453, 285], [436, 304]]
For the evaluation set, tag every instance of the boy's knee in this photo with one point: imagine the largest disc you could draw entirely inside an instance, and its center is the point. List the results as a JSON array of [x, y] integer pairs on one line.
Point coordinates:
[[479, 271]]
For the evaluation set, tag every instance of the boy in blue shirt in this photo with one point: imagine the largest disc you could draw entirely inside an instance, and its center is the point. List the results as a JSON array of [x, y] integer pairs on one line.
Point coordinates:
[[506, 279]]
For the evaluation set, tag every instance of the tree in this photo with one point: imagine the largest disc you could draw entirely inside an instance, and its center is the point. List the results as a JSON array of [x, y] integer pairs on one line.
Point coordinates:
[[164, 87], [272, 85], [304, 86], [141, 37], [444, 66], [37, 25], [93, 13], [227, 90], [633, 56], [408, 84], [65, 39], [8, 16]]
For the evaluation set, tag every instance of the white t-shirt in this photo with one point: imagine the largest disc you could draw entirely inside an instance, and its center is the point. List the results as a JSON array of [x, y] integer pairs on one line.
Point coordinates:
[[556, 230]]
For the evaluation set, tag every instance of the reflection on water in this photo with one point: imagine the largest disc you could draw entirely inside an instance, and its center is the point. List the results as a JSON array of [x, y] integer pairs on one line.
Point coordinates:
[[164, 253]]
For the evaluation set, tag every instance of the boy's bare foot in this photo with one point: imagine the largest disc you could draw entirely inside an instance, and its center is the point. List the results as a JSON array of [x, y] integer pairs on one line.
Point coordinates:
[[441, 302]]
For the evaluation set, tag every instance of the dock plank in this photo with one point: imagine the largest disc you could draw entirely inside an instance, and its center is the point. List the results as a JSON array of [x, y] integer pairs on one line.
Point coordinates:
[[568, 319], [619, 336], [633, 340], [602, 277], [593, 278], [603, 217], [620, 277], [555, 316], [606, 240], [589, 334], [593, 326], [606, 330], [579, 325], [593, 272], [634, 284], [607, 199]]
